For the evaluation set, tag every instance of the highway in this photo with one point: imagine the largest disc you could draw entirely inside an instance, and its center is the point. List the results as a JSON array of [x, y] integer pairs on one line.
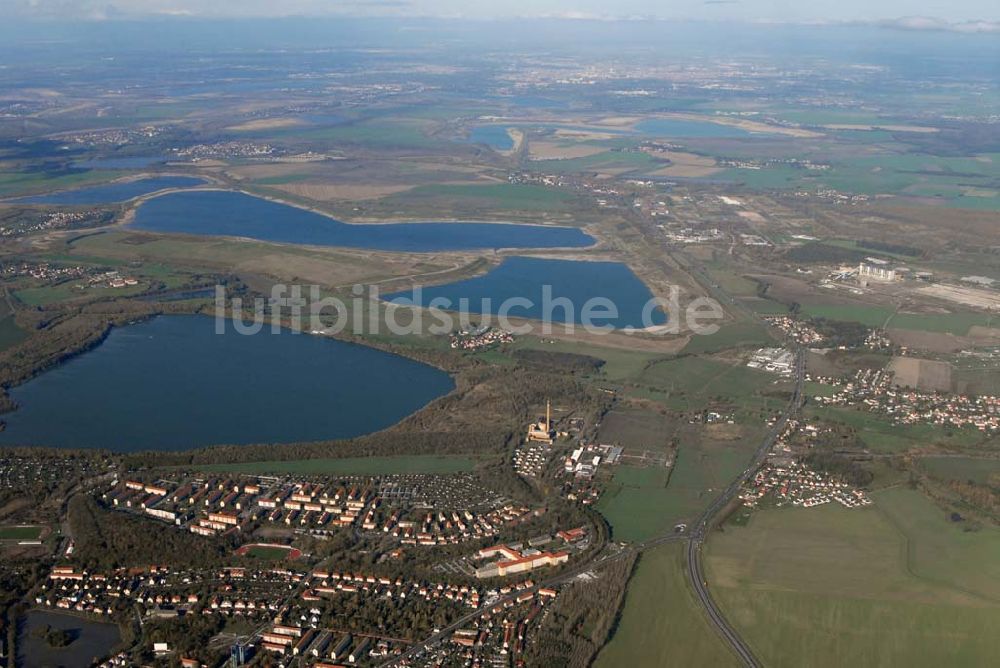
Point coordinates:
[[699, 531]]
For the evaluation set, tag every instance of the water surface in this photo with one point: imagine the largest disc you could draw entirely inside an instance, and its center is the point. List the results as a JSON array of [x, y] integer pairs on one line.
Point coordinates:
[[525, 278], [494, 136], [112, 192], [234, 214], [172, 382], [91, 640]]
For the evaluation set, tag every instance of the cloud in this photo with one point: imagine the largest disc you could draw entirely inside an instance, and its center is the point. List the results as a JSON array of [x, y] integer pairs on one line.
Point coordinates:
[[936, 24]]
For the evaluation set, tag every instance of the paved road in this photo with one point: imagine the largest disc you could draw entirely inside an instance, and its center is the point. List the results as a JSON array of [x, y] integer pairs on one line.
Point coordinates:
[[698, 532]]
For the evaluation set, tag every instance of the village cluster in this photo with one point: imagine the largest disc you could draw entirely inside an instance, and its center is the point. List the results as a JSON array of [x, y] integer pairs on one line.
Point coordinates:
[[874, 390], [798, 485], [797, 330], [51, 220], [114, 136], [225, 150], [479, 339], [22, 472]]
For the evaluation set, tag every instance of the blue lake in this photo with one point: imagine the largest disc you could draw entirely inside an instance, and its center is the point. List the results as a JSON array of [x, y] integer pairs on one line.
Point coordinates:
[[494, 136], [112, 192], [91, 641], [524, 277], [172, 383], [233, 214], [673, 127]]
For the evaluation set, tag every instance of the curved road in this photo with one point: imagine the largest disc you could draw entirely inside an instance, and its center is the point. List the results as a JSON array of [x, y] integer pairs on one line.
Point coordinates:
[[694, 566]]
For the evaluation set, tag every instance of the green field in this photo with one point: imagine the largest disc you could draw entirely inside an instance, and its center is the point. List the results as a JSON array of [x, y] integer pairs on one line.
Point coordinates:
[[893, 584], [955, 181], [738, 334], [872, 316], [764, 306], [20, 533], [636, 503], [961, 468], [513, 196], [640, 503], [688, 382], [352, 465], [881, 435], [660, 623], [10, 333], [16, 183], [613, 161], [619, 364], [402, 134]]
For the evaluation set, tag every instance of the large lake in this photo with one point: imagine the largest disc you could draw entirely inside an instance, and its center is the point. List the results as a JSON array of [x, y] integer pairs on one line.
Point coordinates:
[[112, 192], [91, 640], [494, 136], [525, 277], [172, 382], [233, 214]]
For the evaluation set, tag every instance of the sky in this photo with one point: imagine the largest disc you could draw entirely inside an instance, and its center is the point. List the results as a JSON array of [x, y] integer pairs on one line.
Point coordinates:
[[967, 15]]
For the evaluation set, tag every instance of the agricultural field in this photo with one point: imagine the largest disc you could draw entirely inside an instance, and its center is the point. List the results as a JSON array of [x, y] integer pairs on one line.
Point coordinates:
[[637, 502], [693, 382], [504, 196], [643, 502], [351, 466], [960, 182], [23, 183], [732, 335], [979, 470], [660, 624], [906, 584], [636, 428]]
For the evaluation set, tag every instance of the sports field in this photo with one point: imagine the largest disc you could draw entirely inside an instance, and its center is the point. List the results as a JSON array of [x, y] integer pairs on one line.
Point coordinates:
[[660, 623], [352, 465], [895, 584], [20, 533], [269, 552]]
